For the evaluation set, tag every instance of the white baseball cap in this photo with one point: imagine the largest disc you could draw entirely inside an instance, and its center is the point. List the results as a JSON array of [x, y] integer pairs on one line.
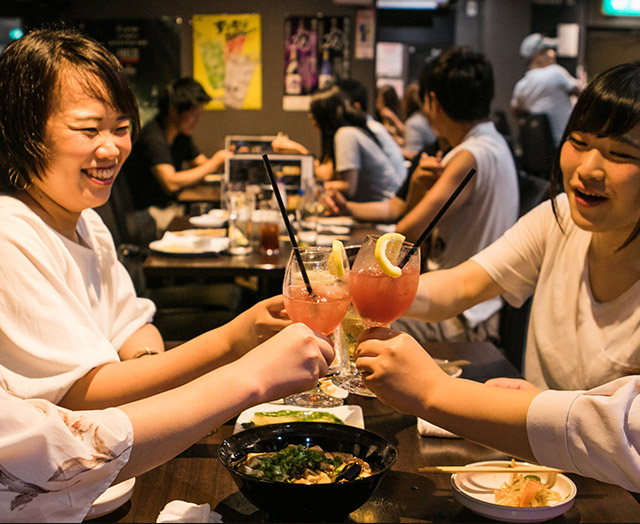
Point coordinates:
[[534, 43]]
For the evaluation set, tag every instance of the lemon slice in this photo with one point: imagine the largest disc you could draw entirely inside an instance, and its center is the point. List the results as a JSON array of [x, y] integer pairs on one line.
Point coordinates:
[[386, 252], [335, 259]]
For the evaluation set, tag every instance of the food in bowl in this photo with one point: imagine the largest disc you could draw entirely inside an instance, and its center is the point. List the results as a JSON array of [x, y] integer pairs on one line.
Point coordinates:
[[292, 502], [527, 491], [260, 418], [301, 465]]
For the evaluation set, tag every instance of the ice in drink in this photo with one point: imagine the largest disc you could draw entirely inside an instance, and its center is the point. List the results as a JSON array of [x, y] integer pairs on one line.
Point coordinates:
[[323, 310]]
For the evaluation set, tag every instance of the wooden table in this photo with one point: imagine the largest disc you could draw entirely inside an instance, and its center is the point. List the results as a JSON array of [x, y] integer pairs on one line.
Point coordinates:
[[404, 495]]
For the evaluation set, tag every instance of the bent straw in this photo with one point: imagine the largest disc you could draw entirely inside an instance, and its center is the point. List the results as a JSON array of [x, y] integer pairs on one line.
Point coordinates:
[[287, 223], [437, 218]]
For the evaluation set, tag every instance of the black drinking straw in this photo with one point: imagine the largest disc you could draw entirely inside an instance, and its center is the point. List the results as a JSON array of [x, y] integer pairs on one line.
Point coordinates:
[[437, 218], [285, 217]]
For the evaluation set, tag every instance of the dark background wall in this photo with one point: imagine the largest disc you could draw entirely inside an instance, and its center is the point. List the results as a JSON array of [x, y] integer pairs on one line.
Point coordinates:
[[493, 27]]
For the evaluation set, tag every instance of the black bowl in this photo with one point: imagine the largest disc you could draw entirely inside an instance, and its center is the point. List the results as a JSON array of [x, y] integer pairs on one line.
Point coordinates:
[[285, 502]]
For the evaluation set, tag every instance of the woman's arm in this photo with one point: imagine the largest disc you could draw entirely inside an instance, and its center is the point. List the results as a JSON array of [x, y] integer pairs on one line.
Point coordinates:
[[448, 292], [144, 341], [126, 381], [168, 423], [172, 180], [403, 375]]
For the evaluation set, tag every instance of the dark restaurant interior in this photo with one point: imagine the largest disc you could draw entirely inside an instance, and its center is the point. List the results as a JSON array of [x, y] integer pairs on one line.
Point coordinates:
[[216, 271]]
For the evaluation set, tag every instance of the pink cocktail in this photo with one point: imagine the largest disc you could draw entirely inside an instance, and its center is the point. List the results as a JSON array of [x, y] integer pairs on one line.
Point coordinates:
[[323, 310], [379, 298]]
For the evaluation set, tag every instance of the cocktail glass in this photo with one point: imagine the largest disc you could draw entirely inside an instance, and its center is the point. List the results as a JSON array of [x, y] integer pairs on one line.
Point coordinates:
[[322, 309], [377, 300]]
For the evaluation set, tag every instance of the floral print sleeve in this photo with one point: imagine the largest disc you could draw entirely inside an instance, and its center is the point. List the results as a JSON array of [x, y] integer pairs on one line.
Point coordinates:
[[54, 462]]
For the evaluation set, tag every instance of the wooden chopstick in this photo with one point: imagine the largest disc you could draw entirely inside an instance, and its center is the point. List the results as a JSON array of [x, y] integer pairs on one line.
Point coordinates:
[[489, 469]]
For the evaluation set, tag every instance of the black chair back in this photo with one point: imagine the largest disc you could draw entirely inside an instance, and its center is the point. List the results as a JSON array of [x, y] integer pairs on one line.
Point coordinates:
[[537, 148]]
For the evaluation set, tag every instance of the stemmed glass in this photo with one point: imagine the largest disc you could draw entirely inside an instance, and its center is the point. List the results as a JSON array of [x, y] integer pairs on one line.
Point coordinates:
[[321, 309], [378, 299]]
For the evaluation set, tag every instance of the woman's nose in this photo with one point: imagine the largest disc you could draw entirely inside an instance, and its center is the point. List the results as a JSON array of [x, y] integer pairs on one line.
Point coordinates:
[[108, 148], [591, 164]]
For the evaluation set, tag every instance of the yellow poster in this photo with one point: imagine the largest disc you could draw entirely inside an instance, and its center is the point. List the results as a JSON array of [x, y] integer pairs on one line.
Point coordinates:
[[227, 59]]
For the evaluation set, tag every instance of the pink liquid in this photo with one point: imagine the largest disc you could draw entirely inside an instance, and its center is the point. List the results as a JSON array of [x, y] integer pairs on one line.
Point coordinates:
[[380, 299], [323, 311]]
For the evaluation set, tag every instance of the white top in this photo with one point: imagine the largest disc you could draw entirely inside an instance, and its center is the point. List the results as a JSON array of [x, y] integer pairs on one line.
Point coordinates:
[[53, 462], [546, 90], [64, 308], [389, 146], [485, 214], [377, 178], [418, 133], [594, 433], [573, 341]]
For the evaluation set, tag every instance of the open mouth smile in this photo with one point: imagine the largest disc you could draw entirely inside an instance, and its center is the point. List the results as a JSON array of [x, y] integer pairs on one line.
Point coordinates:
[[588, 198], [101, 175]]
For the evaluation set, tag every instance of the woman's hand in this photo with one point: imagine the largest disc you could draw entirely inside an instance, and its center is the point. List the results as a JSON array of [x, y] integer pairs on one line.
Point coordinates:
[[289, 362], [283, 144], [397, 369], [511, 383], [335, 203], [258, 323]]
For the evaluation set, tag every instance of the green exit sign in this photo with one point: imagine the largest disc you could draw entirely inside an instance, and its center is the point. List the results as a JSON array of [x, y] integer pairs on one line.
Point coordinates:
[[621, 7]]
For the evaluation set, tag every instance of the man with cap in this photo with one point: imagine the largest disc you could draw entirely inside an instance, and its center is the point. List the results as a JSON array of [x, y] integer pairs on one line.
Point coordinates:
[[546, 87]]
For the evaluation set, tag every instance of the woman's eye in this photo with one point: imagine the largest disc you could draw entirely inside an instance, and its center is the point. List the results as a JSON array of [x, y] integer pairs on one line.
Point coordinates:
[[622, 156], [122, 130]]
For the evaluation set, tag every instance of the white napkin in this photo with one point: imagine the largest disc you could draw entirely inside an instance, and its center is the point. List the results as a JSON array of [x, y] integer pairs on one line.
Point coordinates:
[[427, 429], [181, 511]]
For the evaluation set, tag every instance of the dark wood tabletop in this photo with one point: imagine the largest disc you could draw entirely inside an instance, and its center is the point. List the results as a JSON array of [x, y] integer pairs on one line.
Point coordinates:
[[404, 495]]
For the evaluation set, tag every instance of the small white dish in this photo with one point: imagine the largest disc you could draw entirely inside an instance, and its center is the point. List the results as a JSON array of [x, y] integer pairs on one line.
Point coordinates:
[[214, 218], [327, 385], [475, 491], [453, 371], [185, 244], [350, 415], [345, 221], [114, 497], [333, 230]]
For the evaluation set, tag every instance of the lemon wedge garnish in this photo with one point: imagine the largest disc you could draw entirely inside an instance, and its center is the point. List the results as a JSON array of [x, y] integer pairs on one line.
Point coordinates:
[[335, 259], [386, 252]]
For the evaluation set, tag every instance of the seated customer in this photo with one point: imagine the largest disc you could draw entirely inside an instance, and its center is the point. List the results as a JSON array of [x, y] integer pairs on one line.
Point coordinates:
[[457, 89], [165, 158], [72, 329], [578, 256], [418, 134]]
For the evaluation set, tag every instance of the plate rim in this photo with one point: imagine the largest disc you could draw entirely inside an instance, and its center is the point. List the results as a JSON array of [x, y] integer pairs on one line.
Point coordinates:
[[120, 494], [489, 509], [269, 406], [154, 246]]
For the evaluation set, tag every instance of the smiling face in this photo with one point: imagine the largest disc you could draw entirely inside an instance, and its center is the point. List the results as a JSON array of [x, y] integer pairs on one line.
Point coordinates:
[[602, 180], [87, 142]]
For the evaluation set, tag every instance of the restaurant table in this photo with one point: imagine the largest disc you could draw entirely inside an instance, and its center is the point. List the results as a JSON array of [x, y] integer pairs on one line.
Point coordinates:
[[268, 269], [404, 494], [206, 191]]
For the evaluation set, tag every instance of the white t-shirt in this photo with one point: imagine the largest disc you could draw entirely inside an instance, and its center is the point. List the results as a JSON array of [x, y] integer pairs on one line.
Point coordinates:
[[64, 308], [53, 462], [573, 341], [389, 146], [546, 90], [418, 133], [377, 178], [595, 433], [488, 211]]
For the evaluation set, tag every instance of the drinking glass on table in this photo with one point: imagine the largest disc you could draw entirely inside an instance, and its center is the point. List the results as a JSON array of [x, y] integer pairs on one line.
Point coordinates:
[[378, 299], [321, 309]]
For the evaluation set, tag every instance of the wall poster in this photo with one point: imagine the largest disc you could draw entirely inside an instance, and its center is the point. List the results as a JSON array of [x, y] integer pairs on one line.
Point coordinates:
[[227, 59], [148, 49], [316, 55]]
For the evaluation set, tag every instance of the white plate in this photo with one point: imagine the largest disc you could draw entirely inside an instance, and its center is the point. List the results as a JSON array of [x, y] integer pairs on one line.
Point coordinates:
[[111, 499], [350, 415], [454, 371], [333, 230], [327, 385], [189, 244], [475, 491], [336, 221], [214, 218]]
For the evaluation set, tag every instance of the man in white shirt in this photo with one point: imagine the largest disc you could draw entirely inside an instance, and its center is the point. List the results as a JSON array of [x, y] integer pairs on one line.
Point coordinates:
[[546, 87]]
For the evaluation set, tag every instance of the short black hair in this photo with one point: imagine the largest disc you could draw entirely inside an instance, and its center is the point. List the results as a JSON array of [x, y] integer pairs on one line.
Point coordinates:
[[183, 94], [462, 80], [32, 69]]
